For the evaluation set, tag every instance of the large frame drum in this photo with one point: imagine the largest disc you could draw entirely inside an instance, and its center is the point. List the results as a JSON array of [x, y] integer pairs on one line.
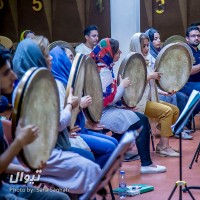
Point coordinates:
[[93, 87], [134, 67], [174, 62], [76, 81], [37, 103], [62, 44]]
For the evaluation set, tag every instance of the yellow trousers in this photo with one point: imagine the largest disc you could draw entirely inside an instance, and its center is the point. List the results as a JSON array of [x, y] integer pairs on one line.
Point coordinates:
[[165, 113]]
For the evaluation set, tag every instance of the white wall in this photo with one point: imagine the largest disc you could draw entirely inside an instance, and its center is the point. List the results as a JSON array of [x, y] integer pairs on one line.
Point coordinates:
[[125, 21]]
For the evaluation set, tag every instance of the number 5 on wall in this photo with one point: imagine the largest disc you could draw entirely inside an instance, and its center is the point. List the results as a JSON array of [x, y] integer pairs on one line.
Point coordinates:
[[1, 4], [37, 5]]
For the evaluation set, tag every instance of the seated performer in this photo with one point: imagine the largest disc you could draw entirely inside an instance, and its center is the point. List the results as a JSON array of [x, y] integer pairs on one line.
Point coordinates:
[[120, 120], [165, 113], [178, 99], [62, 167], [101, 145], [24, 136]]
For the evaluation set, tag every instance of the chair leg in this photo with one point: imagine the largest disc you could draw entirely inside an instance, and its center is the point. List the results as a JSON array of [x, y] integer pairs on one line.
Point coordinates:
[[111, 190], [193, 123], [152, 139], [196, 155]]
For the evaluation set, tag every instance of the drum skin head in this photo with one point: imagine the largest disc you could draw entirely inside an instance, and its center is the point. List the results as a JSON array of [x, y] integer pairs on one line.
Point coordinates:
[[6, 42], [62, 44], [134, 67], [93, 87], [76, 81], [37, 102], [174, 62], [174, 39]]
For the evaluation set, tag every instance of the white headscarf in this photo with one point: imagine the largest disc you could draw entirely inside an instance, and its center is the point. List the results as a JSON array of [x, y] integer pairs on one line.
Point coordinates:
[[150, 92]]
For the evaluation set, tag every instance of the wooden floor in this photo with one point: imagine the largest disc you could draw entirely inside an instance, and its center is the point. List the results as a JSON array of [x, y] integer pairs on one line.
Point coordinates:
[[165, 182]]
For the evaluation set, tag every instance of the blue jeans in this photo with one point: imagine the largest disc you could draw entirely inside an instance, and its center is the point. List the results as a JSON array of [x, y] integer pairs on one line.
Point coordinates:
[[101, 145], [188, 88], [83, 152], [20, 192]]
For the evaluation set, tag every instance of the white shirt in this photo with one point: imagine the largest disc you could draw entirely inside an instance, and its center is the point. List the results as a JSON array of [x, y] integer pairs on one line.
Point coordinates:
[[82, 48]]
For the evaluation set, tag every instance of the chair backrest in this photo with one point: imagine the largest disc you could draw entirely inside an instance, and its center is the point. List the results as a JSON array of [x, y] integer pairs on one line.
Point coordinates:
[[112, 164]]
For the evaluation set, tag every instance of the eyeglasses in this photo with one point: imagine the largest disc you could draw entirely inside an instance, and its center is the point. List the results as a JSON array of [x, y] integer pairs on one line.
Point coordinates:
[[194, 36]]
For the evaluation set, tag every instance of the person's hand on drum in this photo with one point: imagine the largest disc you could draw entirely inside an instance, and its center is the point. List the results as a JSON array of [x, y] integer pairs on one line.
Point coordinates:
[[155, 76], [72, 100], [167, 93], [72, 131], [27, 134], [124, 82], [85, 101], [94, 126]]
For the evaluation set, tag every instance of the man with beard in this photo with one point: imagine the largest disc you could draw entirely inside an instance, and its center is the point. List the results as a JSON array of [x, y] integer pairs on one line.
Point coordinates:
[[193, 40]]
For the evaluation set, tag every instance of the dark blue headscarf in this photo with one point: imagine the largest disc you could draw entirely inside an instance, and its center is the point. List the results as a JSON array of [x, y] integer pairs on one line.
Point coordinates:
[[27, 55], [61, 65], [150, 33]]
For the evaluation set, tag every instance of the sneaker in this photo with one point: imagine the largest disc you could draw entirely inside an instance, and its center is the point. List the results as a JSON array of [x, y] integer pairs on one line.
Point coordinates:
[[184, 136], [159, 148], [168, 151], [152, 170], [131, 156]]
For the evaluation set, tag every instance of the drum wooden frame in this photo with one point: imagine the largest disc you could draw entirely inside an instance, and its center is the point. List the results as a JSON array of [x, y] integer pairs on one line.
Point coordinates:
[[134, 67], [63, 44], [76, 81], [93, 87], [174, 39], [174, 62], [29, 107]]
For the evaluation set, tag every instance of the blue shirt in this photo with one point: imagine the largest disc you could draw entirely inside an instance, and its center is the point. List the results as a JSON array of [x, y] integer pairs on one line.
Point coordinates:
[[196, 55]]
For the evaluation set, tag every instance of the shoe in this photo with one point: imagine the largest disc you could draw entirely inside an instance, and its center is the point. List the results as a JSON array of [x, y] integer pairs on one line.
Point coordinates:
[[152, 170], [184, 136], [131, 156], [158, 148], [168, 151]]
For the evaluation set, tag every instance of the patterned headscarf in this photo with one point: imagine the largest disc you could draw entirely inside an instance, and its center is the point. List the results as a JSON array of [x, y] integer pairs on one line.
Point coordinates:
[[103, 56], [61, 65], [150, 33], [27, 55]]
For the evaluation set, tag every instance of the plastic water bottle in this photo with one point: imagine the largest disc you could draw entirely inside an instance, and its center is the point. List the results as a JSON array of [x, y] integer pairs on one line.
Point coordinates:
[[122, 185]]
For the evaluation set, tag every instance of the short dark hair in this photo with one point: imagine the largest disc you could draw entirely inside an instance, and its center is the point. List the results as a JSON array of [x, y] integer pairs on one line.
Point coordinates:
[[195, 24], [114, 45], [4, 56], [191, 28], [89, 29]]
